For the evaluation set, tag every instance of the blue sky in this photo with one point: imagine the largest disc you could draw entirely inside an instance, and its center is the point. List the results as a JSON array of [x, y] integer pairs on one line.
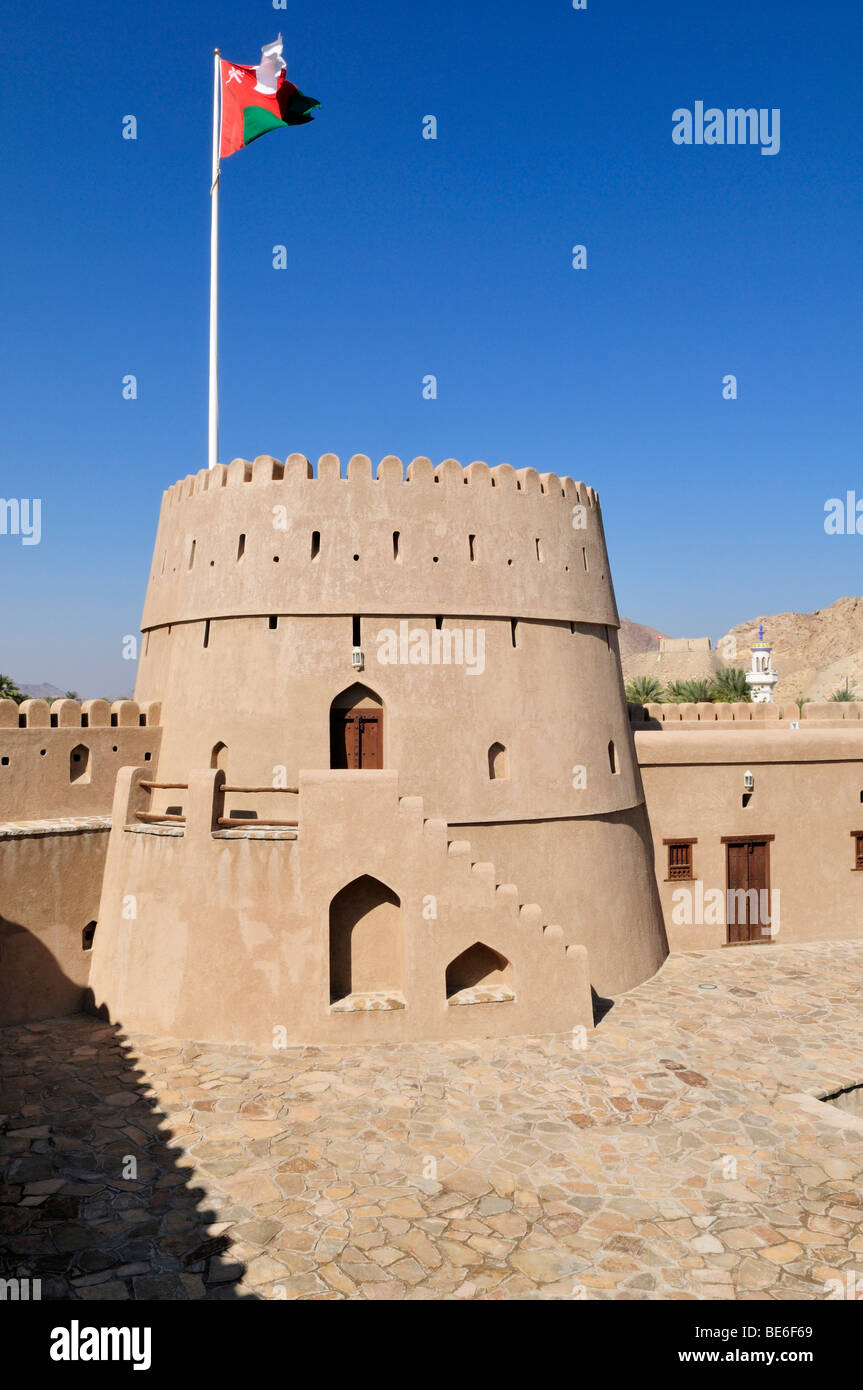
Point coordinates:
[[450, 257]]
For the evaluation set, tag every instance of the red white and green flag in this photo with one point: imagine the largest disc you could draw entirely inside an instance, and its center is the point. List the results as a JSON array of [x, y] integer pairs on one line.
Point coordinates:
[[258, 99]]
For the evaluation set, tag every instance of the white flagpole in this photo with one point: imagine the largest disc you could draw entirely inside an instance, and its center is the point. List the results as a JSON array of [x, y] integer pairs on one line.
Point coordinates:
[[213, 454]]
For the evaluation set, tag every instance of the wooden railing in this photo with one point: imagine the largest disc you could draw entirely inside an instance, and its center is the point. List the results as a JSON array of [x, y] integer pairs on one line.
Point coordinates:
[[229, 822], [158, 817]]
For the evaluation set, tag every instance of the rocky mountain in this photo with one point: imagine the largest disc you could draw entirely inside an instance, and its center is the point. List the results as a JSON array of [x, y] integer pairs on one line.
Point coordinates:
[[635, 638], [41, 692], [814, 653]]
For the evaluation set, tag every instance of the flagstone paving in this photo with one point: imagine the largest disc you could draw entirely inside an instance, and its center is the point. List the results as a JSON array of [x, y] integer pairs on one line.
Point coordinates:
[[668, 1157]]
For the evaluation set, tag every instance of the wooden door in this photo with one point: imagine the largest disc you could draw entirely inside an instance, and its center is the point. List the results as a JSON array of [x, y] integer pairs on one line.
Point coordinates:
[[370, 738], [356, 738], [747, 900]]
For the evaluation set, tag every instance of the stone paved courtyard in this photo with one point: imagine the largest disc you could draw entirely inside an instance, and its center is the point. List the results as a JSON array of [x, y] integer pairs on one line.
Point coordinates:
[[672, 1157]]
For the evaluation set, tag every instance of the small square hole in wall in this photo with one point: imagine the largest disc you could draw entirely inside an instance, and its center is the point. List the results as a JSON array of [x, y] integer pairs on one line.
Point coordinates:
[[4, 762]]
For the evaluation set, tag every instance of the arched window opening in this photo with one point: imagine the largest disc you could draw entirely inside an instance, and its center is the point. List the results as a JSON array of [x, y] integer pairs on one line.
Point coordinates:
[[498, 762], [79, 764]]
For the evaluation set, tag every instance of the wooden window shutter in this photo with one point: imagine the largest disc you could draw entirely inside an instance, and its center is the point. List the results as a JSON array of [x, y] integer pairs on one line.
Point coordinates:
[[680, 859]]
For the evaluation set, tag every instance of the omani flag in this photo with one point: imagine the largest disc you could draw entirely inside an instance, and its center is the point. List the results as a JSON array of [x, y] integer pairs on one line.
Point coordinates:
[[258, 99]]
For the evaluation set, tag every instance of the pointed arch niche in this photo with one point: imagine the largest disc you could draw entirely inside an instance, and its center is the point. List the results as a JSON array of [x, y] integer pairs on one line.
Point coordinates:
[[479, 976], [498, 763], [219, 756], [357, 729], [366, 946]]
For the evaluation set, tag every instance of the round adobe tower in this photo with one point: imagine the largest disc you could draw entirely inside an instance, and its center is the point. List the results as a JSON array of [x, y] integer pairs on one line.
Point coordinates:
[[482, 603]]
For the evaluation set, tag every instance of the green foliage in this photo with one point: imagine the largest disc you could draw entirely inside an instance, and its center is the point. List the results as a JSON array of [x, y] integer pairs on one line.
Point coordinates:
[[10, 691], [845, 692], [644, 690], [690, 692], [71, 695], [729, 686]]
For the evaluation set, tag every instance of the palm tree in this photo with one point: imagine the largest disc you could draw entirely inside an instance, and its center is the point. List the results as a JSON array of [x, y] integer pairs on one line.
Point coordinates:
[[729, 686], [690, 692], [844, 693], [71, 695], [800, 701], [644, 690], [10, 691]]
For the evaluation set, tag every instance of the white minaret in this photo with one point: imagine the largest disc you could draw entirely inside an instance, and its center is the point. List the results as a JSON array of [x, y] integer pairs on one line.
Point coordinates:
[[761, 677]]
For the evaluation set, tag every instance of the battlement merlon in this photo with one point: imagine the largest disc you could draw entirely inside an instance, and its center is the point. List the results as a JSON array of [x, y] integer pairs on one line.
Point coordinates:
[[267, 537], [745, 715], [298, 469], [77, 714]]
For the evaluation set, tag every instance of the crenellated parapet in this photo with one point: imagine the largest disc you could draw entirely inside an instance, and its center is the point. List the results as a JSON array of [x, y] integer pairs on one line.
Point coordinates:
[[79, 714], [745, 715], [284, 538], [62, 759]]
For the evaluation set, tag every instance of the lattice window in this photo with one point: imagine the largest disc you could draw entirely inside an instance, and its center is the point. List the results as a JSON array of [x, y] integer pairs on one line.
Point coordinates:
[[680, 858]]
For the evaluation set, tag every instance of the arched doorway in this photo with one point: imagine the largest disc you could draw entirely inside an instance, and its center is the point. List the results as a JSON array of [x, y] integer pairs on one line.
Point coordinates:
[[357, 729], [366, 948]]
